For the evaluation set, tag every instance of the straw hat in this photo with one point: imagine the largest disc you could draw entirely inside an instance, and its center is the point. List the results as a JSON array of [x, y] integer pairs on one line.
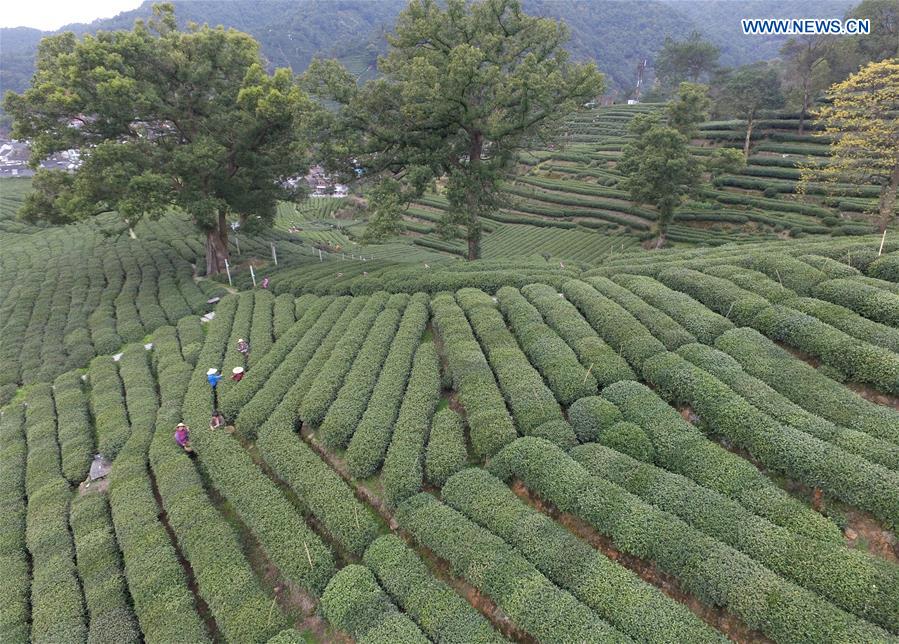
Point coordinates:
[[237, 370], [240, 339], [180, 425], [211, 371]]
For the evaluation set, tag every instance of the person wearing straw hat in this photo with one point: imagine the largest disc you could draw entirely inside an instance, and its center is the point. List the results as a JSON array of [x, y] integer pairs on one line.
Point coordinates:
[[237, 374], [217, 420], [213, 376], [182, 437], [243, 347]]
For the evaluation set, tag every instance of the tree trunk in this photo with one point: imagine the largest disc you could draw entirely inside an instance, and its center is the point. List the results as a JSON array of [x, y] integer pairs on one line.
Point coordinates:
[[473, 229], [217, 247], [805, 102], [749, 125], [663, 237], [888, 199]]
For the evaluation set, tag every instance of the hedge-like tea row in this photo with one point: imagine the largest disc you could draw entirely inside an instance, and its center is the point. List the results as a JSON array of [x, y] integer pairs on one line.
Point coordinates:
[[75, 431], [856, 581], [191, 338], [489, 422], [225, 580], [616, 594], [546, 350], [848, 321], [791, 272], [284, 312], [751, 281], [763, 397], [268, 392], [105, 591], [283, 535], [873, 303], [859, 360], [14, 592], [163, 603], [531, 402], [778, 447], [716, 293], [599, 358], [57, 603], [446, 453], [615, 325], [591, 417], [243, 321], [351, 400], [885, 267], [495, 568], [764, 600], [681, 448], [442, 614], [261, 329], [353, 602], [110, 419], [830, 266], [232, 402], [403, 468], [659, 323], [698, 320], [372, 433], [805, 386], [329, 379]]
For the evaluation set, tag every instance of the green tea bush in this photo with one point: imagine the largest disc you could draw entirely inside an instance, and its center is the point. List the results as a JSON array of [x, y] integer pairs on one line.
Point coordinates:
[[629, 438], [446, 453], [762, 599], [869, 301], [531, 402], [344, 413], [856, 581], [110, 418], [354, 603], [403, 465], [546, 350], [373, 431], [14, 557], [778, 447], [782, 409], [488, 420], [749, 280], [191, 337], [683, 449], [591, 417], [284, 312], [718, 294], [859, 360], [442, 614], [633, 606], [531, 601], [885, 267], [261, 329], [561, 315], [789, 271], [848, 321], [75, 431]]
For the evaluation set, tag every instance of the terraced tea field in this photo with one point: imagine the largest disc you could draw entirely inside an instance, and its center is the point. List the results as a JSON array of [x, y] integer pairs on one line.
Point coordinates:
[[685, 445]]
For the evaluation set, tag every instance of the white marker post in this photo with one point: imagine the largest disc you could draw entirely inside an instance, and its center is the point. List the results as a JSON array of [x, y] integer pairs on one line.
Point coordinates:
[[320, 258], [253, 275], [228, 270], [274, 254], [882, 240]]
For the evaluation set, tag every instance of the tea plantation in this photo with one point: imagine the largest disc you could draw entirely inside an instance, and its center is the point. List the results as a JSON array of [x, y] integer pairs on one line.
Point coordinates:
[[597, 444]]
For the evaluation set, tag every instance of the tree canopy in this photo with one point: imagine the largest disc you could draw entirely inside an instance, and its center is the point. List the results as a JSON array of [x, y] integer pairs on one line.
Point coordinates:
[[689, 108], [862, 120], [686, 60], [658, 169], [164, 119], [464, 87], [746, 91]]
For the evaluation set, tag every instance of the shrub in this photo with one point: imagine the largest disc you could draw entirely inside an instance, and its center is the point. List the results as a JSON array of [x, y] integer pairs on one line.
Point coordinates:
[[190, 335], [344, 413], [446, 453], [791, 272], [600, 359], [859, 360], [848, 321], [728, 578], [698, 320], [489, 423], [442, 614], [284, 311], [635, 607], [261, 330], [749, 280], [592, 416], [629, 438], [546, 350], [353, 602], [530, 600], [328, 380], [855, 581], [531, 402], [372, 433], [720, 295], [14, 592], [75, 431], [402, 475], [869, 301], [885, 267], [681, 448]]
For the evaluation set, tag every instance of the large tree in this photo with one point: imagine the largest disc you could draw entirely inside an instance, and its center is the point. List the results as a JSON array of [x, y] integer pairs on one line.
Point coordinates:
[[746, 91], [164, 119], [686, 60], [658, 169], [689, 108], [863, 123], [806, 70], [464, 87]]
